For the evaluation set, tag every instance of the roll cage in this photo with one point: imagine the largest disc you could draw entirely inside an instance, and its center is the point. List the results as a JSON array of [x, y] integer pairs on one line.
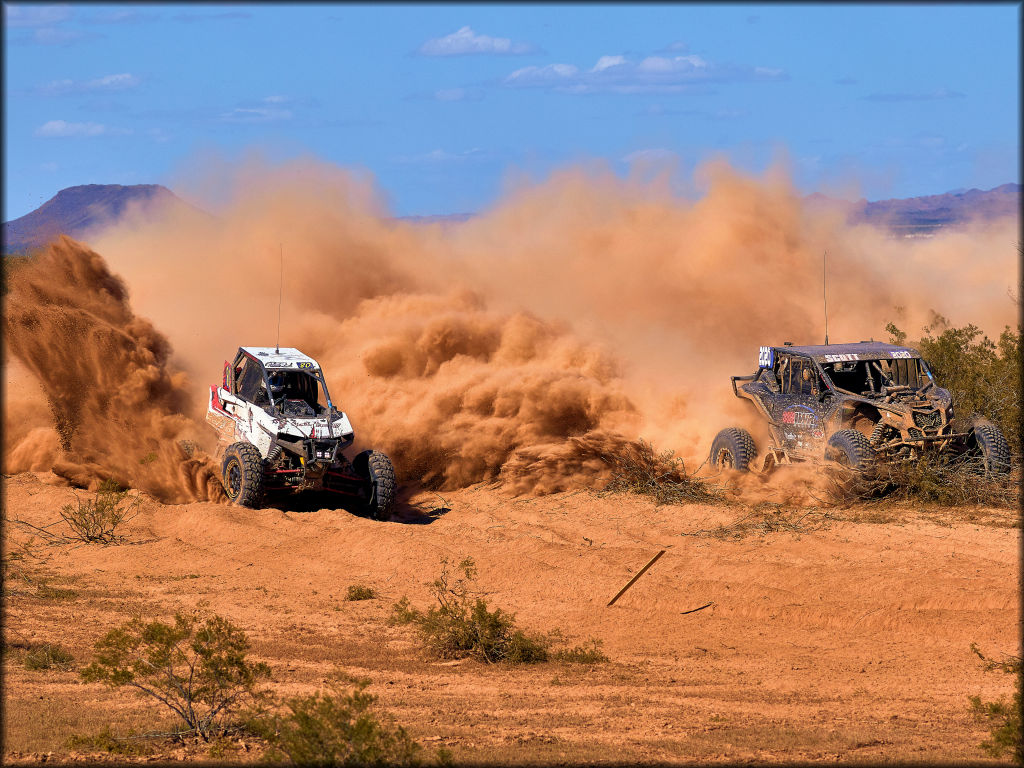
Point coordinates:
[[863, 377], [248, 378]]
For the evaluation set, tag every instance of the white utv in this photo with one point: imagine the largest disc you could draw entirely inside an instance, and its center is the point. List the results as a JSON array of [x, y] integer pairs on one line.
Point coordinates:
[[280, 431]]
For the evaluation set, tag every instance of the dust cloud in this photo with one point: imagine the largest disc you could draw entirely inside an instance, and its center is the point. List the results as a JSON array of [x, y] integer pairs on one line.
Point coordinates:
[[585, 310], [116, 410]]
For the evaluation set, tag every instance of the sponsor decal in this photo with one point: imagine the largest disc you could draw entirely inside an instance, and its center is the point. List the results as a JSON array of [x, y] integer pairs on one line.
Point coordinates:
[[800, 416], [765, 357], [306, 366], [278, 364], [901, 353], [842, 358]]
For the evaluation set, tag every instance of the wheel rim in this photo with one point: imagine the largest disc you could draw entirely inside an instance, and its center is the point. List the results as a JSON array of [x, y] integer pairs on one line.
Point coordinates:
[[725, 459], [234, 484]]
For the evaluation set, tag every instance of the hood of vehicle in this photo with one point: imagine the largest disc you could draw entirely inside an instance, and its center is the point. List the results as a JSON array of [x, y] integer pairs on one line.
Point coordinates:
[[320, 429]]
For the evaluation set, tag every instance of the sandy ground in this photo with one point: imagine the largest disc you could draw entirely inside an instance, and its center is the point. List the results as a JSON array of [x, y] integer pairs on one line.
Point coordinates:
[[847, 639]]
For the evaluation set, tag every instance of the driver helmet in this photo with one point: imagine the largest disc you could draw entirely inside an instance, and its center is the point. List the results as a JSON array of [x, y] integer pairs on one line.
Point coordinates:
[[277, 384]]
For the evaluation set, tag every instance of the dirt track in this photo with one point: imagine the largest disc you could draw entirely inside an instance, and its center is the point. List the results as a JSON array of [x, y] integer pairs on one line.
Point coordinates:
[[849, 639]]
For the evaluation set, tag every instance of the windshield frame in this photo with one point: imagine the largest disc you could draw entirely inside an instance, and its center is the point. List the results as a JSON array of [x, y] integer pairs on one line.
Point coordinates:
[[315, 373]]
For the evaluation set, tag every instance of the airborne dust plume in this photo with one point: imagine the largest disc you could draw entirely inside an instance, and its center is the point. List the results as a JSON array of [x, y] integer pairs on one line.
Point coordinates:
[[574, 316]]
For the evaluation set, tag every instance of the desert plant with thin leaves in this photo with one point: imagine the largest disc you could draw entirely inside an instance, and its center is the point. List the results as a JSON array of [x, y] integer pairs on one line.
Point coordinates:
[[197, 667], [335, 728], [96, 520]]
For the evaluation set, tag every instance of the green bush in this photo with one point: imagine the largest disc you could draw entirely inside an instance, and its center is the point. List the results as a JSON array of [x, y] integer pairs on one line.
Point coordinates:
[[588, 653], [198, 668], [1003, 717], [982, 375], [930, 478], [462, 626], [335, 729], [95, 521], [359, 592], [48, 656]]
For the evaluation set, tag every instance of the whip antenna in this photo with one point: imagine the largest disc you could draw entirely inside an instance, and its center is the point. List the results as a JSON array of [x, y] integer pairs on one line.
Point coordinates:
[[280, 293], [824, 295]]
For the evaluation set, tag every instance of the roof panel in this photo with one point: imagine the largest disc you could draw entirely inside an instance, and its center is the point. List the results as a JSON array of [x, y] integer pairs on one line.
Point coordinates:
[[865, 350], [282, 355]]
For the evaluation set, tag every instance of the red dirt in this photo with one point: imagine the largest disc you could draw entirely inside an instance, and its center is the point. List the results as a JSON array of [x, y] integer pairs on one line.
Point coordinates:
[[850, 639]]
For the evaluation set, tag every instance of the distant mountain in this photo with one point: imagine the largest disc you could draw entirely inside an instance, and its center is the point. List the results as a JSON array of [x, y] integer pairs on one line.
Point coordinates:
[[77, 210], [925, 215]]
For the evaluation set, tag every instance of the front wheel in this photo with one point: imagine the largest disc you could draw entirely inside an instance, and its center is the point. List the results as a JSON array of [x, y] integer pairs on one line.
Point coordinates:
[[242, 474], [987, 443], [851, 449], [733, 448], [376, 468]]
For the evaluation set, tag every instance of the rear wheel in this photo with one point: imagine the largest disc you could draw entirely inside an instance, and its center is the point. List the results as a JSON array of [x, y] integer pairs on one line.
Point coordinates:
[[851, 449], [733, 448], [987, 443], [379, 473], [242, 474]]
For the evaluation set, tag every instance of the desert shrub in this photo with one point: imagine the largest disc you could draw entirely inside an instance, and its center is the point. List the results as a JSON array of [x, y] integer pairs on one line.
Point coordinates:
[[930, 478], [983, 376], [106, 741], [587, 653], [461, 625], [637, 468], [339, 728], [95, 521], [359, 592], [1003, 717], [48, 656], [197, 667], [47, 592]]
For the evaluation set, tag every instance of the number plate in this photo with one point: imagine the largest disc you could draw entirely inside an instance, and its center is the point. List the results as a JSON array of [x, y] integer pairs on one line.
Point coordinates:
[[766, 357]]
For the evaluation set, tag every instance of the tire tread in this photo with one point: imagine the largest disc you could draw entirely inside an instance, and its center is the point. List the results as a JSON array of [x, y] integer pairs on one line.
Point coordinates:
[[251, 494]]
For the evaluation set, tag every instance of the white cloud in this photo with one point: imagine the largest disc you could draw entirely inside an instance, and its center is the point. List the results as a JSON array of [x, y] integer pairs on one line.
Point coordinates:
[[465, 41], [606, 62], [941, 93], [118, 82], [123, 80], [35, 15], [55, 36], [550, 74], [49, 167], [193, 18], [651, 74], [121, 16], [442, 157], [63, 129], [652, 156], [256, 115]]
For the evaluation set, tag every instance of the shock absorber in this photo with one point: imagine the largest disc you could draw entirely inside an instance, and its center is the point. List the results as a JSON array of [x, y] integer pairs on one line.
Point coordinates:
[[878, 434]]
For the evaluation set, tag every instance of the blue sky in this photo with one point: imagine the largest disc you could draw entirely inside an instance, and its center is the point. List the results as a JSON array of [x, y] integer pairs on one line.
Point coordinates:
[[443, 104]]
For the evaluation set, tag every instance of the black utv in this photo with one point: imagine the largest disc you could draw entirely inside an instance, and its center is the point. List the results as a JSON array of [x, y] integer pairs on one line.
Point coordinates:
[[855, 404]]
